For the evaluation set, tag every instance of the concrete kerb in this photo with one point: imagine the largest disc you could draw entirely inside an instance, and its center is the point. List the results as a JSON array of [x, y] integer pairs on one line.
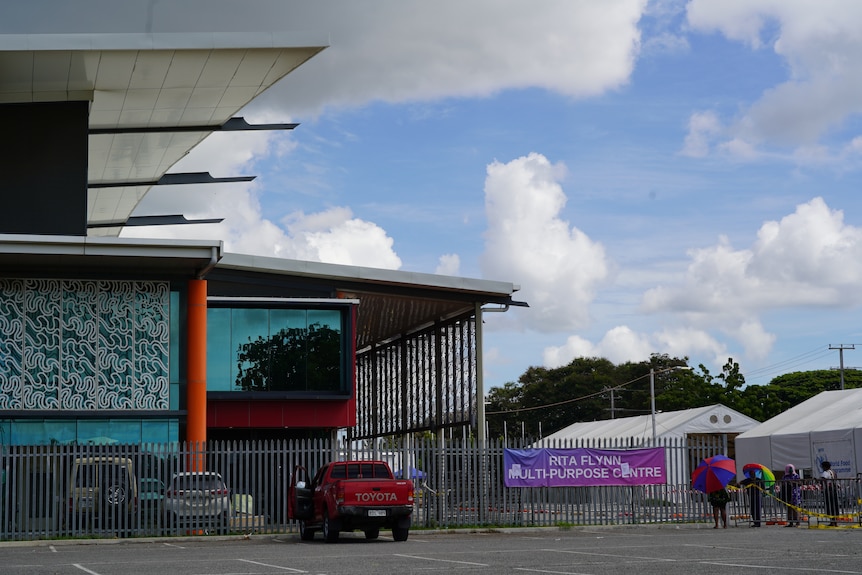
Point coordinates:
[[414, 533]]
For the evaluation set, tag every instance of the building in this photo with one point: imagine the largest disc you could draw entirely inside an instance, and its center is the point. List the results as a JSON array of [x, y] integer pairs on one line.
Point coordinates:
[[106, 339]]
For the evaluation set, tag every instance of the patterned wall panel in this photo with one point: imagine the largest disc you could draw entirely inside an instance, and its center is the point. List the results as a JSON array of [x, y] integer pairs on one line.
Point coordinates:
[[84, 345]]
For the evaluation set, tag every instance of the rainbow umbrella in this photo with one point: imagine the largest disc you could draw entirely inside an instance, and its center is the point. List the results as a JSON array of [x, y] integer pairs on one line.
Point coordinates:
[[713, 473], [760, 472]]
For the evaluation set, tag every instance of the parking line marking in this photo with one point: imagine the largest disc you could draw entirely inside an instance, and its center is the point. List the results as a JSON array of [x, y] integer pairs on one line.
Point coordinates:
[[273, 566], [551, 572], [611, 555], [817, 569], [441, 560], [84, 569]]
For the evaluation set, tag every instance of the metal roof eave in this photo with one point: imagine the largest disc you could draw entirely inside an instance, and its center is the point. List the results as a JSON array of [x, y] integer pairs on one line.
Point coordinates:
[[358, 276], [64, 255]]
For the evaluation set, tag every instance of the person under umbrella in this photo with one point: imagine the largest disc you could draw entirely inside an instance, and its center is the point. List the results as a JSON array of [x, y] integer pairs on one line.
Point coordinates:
[[719, 500], [711, 477]]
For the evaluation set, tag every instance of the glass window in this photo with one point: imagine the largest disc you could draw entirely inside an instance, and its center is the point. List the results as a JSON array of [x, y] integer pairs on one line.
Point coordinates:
[[324, 350], [276, 350], [249, 338], [58, 432], [159, 431], [109, 432], [288, 350], [219, 352]]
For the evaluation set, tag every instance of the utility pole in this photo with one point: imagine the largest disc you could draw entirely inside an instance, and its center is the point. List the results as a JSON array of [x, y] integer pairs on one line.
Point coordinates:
[[613, 409], [841, 348]]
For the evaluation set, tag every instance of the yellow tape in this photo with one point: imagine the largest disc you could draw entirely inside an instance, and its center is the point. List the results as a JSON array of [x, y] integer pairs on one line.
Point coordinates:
[[800, 509]]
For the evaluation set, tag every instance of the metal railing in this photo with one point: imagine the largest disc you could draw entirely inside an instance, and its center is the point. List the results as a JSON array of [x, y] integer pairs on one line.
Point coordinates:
[[118, 490]]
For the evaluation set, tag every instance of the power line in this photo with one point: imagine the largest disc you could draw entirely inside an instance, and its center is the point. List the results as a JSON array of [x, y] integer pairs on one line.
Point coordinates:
[[787, 365], [604, 390]]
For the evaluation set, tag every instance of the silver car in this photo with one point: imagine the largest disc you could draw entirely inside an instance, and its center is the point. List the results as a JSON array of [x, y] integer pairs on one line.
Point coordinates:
[[197, 500]]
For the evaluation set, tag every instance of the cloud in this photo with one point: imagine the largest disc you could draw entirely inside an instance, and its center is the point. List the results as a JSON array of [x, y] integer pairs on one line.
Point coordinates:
[[417, 51], [703, 127], [558, 266], [801, 260], [332, 235], [821, 46], [622, 344], [335, 236], [449, 265]]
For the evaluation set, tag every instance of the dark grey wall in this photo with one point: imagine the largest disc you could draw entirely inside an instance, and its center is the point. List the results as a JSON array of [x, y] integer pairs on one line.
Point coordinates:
[[43, 162]]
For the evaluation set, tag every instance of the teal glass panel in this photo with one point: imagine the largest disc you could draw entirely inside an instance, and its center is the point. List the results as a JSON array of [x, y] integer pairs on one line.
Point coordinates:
[[324, 349], [175, 396], [219, 350], [109, 432], [40, 432], [288, 350], [276, 350], [158, 431], [251, 349]]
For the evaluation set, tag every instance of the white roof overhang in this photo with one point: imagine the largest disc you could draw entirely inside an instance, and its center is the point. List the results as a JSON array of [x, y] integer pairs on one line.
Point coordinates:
[[44, 256], [154, 81]]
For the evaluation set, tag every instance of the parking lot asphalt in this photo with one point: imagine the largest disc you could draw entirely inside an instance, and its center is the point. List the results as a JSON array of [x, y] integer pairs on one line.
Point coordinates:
[[649, 550]]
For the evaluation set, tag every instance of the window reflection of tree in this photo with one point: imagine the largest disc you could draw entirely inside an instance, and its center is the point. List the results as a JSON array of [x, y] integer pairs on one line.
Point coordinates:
[[293, 359]]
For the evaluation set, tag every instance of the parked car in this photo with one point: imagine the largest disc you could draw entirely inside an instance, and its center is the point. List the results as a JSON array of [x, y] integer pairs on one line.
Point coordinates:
[[151, 491], [102, 493], [197, 499]]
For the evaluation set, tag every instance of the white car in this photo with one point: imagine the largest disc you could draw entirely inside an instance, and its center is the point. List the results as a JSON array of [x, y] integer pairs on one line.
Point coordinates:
[[197, 499]]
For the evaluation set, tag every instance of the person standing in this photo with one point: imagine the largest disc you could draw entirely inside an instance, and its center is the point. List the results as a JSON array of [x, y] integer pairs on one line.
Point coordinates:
[[791, 494], [719, 500], [753, 485], [830, 492]]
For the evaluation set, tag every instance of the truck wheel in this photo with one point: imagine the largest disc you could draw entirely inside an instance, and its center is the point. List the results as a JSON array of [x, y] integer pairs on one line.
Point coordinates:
[[305, 533], [330, 529], [400, 533], [373, 533]]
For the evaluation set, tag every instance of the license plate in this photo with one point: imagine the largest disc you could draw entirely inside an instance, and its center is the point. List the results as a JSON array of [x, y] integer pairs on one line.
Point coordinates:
[[377, 513]]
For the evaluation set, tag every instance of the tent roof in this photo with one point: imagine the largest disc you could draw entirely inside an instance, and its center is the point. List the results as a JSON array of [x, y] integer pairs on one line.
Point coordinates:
[[826, 411], [708, 419]]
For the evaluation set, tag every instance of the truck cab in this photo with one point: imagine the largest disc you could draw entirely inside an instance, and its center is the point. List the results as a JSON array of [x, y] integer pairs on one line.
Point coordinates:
[[349, 496]]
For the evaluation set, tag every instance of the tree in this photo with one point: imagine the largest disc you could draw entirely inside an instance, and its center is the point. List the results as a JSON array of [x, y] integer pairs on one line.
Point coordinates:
[[547, 397], [293, 359], [582, 391]]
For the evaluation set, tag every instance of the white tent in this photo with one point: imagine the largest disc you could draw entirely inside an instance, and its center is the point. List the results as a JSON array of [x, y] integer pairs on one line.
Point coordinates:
[[826, 427], [711, 419], [672, 428]]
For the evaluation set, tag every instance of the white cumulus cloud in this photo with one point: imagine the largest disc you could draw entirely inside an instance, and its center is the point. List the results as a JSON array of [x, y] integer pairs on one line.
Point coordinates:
[[449, 265], [558, 266], [821, 45], [805, 259]]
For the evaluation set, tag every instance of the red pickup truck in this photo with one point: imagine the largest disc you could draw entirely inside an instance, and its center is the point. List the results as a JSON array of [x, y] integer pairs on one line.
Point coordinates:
[[349, 496]]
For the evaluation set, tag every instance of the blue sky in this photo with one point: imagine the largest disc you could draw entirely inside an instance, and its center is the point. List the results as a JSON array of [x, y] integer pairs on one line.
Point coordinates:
[[673, 177]]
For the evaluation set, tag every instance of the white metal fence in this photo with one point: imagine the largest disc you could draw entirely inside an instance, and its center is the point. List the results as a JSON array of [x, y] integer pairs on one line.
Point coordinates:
[[118, 490]]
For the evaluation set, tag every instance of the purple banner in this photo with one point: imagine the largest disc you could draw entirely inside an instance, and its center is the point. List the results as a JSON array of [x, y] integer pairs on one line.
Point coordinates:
[[583, 467]]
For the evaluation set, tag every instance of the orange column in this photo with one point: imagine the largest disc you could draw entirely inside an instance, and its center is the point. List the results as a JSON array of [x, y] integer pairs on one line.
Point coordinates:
[[196, 387]]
